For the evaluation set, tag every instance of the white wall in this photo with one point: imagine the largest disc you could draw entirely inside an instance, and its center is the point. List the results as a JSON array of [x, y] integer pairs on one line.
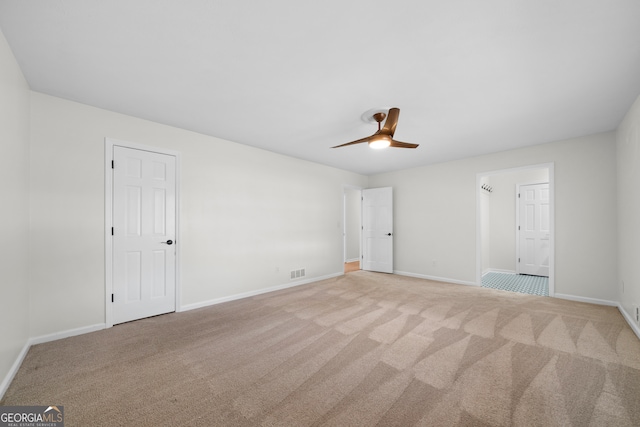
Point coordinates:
[[502, 214], [14, 210], [435, 214], [248, 216], [353, 221], [628, 145]]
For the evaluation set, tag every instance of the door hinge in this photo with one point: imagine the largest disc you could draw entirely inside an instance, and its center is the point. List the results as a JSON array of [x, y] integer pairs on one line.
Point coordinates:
[[518, 259], [518, 195], [111, 297], [112, 164], [518, 228], [112, 231]]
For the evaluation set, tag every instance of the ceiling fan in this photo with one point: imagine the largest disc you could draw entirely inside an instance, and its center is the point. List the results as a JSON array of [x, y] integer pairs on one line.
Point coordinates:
[[383, 138]]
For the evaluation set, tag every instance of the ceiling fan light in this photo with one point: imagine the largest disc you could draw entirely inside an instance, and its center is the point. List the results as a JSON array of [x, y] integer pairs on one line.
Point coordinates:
[[383, 141]]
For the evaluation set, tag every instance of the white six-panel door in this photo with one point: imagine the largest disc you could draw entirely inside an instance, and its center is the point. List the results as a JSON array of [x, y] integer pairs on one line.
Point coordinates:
[[144, 221], [534, 233], [377, 229]]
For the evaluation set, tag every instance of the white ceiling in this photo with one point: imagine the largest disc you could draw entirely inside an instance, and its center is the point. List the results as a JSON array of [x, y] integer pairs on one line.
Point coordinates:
[[294, 77]]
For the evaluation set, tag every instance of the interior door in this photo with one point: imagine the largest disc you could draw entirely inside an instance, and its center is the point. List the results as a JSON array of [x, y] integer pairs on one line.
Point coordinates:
[[377, 229], [534, 229], [144, 222]]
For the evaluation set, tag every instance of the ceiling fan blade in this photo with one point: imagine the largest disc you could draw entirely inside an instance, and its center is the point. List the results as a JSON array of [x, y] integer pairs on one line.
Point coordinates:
[[357, 141], [390, 124], [399, 144]]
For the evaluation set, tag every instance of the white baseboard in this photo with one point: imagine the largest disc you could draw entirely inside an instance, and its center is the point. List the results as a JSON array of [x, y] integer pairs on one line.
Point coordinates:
[[353, 260], [588, 300], [625, 315], [220, 300], [14, 369], [629, 318], [434, 278], [66, 334], [40, 340], [497, 270]]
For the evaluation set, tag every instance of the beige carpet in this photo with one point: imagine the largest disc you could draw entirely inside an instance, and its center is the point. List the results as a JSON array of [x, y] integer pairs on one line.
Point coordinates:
[[363, 349]]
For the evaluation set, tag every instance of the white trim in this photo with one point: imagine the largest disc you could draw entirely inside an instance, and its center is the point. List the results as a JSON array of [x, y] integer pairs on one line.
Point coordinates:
[[552, 269], [66, 334], [344, 223], [629, 320], [108, 222], [552, 240], [109, 143], [40, 340], [6, 382], [352, 260], [587, 300], [256, 292], [434, 278], [497, 270], [516, 169]]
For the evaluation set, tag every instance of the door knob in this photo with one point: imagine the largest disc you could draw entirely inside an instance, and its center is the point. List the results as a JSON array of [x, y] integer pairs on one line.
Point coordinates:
[[168, 242]]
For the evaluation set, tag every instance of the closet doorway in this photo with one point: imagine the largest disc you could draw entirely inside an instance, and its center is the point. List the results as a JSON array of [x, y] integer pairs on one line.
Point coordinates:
[[497, 222], [352, 226]]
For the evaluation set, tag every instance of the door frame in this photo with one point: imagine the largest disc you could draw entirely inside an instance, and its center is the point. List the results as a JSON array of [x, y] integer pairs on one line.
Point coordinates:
[[518, 186], [109, 143], [479, 176], [345, 188]]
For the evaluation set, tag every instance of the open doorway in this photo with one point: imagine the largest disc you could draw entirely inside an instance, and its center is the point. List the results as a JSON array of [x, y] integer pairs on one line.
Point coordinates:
[[498, 250], [352, 220]]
